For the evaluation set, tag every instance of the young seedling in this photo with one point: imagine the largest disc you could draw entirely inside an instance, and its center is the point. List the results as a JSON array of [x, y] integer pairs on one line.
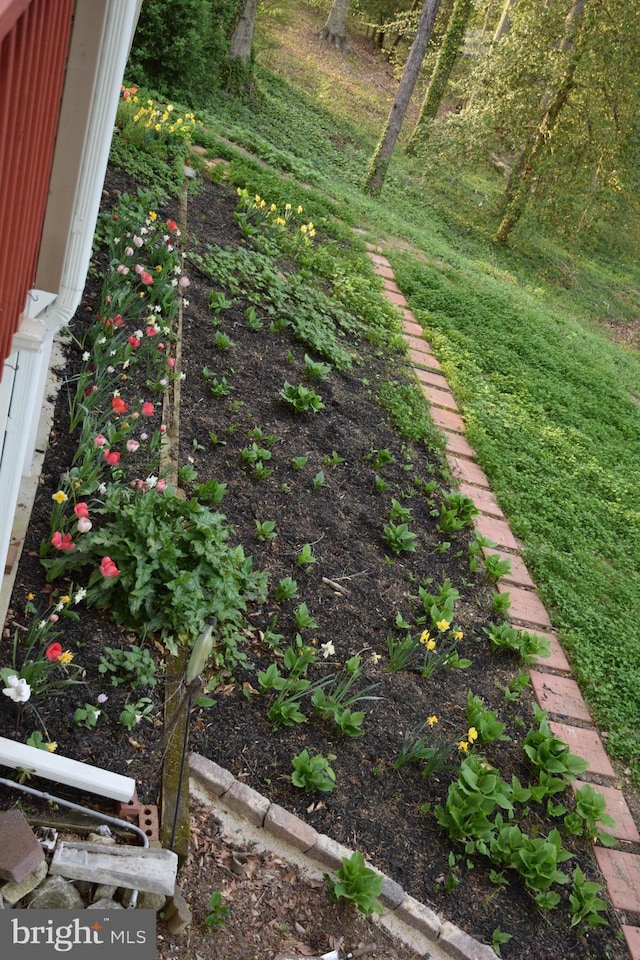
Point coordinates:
[[301, 398], [266, 530], [305, 558], [314, 369]]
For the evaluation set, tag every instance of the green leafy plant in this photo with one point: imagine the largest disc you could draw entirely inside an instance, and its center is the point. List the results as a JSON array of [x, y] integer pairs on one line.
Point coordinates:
[[399, 538], [358, 883], [548, 753], [303, 618], [218, 911], [496, 566], [498, 939], [527, 645], [170, 567], [222, 341], [337, 696], [305, 558], [318, 481], [333, 459], [266, 530], [133, 713], [535, 860], [299, 462], [586, 906], [314, 369], [398, 512], [485, 721], [210, 491], [287, 589], [435, 754], [514, 688], [86, 716], [134, 666], [500, 604], [589, 811], [302, 399], [456, 512], [313, 772]]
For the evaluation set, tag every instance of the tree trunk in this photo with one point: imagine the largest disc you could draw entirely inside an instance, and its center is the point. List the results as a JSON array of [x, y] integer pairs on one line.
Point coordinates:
[[505, 20], [335, 29], [242, 38], [447, 56], [521, 182], [382, 156]]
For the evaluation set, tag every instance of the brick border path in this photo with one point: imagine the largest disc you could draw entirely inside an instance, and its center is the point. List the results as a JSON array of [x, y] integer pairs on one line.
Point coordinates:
[[553, 687]]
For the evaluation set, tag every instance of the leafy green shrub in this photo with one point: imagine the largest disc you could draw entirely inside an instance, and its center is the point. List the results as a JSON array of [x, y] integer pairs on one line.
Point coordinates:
[[173, 568], [134, 666], [358, 883], [548, 753], [313, 772], [301, 398]]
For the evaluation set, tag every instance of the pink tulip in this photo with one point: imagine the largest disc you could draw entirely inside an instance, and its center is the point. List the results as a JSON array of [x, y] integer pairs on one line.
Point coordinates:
[[81, 510], [108, 568], [132, 445], [100, 440], [147, 409], [84, 525]]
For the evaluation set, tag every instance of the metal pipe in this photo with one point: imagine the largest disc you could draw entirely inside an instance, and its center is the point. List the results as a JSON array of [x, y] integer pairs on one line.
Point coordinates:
[[104, 817]]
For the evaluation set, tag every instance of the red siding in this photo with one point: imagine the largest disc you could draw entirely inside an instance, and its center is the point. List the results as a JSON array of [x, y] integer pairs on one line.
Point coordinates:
[[34, 39]]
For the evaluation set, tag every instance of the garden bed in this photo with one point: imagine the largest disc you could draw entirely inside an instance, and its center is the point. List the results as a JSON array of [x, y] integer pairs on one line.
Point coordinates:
[[310, 496]]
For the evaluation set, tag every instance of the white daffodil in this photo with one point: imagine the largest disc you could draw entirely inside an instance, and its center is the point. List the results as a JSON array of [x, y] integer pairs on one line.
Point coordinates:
[[328, 649], [17, 689]]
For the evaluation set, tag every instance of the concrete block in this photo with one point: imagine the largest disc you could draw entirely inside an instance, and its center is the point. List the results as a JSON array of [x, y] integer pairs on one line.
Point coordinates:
[[138, 868], [212, 777], [284, 825], [419, 917], [14, 892], [56, 893], [247, 802], [20, 852], [177, 914], [463, 947], [392, 894], [328, 852]]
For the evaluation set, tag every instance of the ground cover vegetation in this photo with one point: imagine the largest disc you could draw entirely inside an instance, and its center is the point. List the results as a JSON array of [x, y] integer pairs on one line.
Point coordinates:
[[300, 419], [335, 502]]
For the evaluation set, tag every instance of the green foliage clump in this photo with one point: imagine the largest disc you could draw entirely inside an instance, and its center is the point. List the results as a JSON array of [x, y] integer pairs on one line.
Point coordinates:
[[180, 47], [358, 883], [176, 568]]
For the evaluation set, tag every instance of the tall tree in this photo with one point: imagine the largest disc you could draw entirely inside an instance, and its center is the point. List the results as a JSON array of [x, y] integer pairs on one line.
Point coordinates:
[[448, 54], [242, 37], [505, 20], [335, 29], [522, 176], [382, 156]]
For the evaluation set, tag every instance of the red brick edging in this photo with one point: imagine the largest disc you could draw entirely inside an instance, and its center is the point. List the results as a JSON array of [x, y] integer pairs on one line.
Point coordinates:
[[555, 691]]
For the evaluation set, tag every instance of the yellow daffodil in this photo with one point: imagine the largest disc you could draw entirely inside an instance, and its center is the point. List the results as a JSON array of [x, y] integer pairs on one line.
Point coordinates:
[[424, 636], [153, 215], [443, 625], [300, 209], [31, 596], [376, 657], [458, 635], [65, 599], [65, 657], [52, 746], [463, 746], [472, 734], [432, 720], [60, 496]]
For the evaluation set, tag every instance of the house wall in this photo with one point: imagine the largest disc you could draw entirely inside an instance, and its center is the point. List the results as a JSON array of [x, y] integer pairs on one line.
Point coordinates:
[[101, 36]]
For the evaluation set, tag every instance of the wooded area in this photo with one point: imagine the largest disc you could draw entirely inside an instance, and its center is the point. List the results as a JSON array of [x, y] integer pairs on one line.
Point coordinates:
[[547, 92]]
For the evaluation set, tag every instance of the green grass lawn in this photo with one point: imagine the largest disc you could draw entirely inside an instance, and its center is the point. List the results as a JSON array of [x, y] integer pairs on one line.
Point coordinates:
[[551, 404]]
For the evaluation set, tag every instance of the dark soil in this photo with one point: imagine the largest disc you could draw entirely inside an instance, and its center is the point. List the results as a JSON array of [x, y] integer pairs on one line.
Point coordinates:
[[385, 813]]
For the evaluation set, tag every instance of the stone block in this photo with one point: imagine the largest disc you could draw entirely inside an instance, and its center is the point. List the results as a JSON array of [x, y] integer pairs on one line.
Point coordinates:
[[392, 894], [105, 904], [247, 802], [284, 825], [56, 893], [20, 852], [138, 868], [14, 892], [463, 947], [419, 917], [212, 777], [328, 852], [177, 914]]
